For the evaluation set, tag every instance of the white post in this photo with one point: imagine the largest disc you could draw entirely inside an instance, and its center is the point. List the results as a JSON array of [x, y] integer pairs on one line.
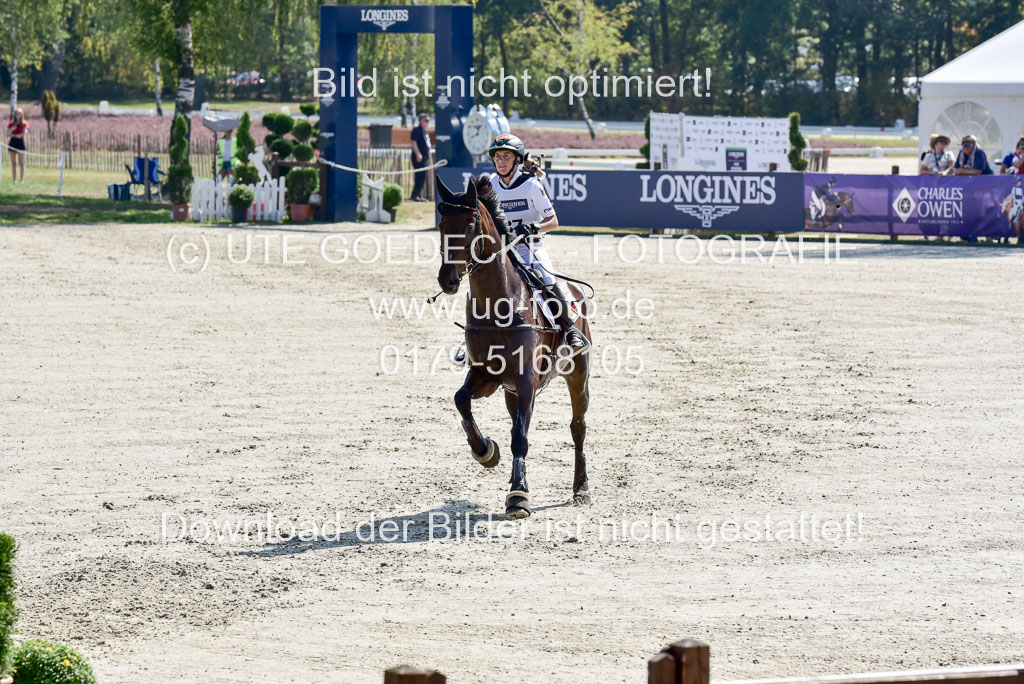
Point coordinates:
[[60, 183]]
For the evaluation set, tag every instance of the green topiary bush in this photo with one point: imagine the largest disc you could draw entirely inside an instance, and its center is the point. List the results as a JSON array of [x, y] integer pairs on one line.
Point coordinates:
[[308, 108], [269, 140], [302, 153], [392, 196], [241, 197], [797, 143], [247, 173], [246, 143], [179, 174], [46, 662], [283, 148], [645, 149], [267, 121], [8, 610], [302, 130], [301, 183], [281, 124]]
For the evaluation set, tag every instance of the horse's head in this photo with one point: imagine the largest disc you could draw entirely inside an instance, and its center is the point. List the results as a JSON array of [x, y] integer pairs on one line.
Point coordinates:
[[458, 226]]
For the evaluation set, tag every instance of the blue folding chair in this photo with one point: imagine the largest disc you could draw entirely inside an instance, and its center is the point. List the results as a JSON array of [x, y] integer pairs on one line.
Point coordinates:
[[137, 176]]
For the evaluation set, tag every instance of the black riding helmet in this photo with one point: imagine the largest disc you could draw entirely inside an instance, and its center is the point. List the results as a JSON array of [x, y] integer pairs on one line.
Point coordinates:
[[507, 141]]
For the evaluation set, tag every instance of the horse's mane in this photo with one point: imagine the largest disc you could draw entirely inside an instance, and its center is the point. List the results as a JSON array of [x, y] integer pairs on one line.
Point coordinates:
[[485, 193]]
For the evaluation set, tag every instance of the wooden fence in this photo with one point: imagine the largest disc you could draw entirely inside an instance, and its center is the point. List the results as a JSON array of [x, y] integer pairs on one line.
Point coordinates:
[[210, 201], [688, 662], [110, 151]]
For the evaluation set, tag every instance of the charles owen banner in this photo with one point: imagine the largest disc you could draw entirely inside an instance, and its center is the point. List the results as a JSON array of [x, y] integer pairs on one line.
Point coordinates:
[[782, 202], [741, 202], [965, 206]]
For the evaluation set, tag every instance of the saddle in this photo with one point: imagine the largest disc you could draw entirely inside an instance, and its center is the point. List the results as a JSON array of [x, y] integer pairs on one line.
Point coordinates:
[[542, 292]]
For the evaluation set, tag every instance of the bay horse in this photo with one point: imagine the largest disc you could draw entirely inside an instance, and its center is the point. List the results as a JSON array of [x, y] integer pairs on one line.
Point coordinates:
[[509, 344], [833, 208]]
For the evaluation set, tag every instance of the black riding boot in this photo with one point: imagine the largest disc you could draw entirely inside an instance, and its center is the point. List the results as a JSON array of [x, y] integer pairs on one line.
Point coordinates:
[[573, 336]]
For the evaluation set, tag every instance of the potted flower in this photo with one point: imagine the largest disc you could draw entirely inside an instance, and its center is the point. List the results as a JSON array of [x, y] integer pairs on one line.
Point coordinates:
[[392, 198], [240, 198], [179, 174], [301, 183]]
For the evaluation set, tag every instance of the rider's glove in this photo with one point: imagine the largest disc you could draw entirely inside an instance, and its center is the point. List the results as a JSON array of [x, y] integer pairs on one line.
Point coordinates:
[[527, 229]]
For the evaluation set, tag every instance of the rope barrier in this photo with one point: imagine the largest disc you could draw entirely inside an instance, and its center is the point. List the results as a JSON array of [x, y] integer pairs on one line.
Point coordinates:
[[443, 162], [33, 154], [60, 183]]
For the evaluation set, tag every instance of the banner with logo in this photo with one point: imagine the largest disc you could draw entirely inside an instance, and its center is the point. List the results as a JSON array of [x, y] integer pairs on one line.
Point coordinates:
[[734, 143], [963, 206], [666, 140], [667, 199]]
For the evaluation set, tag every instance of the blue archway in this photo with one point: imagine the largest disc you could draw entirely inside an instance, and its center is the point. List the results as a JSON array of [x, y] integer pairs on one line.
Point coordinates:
[[340, 27]]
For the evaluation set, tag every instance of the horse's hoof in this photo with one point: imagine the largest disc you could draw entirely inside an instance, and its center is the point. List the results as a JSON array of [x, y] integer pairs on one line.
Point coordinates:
[[489, 458], [581, 498], [517, 505]]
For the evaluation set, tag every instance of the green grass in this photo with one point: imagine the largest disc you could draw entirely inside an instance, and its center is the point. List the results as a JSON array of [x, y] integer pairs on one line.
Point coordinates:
[[84, 199]]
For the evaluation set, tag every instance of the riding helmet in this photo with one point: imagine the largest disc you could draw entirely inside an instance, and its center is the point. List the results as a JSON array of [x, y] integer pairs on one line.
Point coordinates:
[[507, 141]]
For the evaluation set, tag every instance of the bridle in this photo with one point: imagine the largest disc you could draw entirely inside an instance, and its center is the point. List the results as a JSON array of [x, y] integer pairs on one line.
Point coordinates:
[[473, 262]]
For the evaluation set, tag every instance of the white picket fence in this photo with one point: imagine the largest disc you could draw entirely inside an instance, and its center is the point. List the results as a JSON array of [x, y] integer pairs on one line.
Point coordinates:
[[210, 200]]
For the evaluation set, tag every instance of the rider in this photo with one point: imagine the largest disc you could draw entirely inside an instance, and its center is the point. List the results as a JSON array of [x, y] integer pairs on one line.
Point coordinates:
[[820, 195], [530, 215]]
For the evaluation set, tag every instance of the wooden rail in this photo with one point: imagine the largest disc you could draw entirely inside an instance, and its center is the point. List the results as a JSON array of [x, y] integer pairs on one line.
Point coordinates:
[[688, 662]]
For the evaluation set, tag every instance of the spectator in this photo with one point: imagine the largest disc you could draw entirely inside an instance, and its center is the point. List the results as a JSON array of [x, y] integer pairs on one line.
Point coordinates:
[[972, 160], [1012, 162], [938, 161], [16, 129], [420, 156], [227, 155]]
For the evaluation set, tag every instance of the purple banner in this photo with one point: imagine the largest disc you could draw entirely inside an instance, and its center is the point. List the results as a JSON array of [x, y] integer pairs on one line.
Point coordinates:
[[964, 206]]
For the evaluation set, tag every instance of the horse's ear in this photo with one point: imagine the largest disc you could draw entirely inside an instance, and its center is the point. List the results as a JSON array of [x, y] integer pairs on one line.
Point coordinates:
[[471, 194], [443, 192]]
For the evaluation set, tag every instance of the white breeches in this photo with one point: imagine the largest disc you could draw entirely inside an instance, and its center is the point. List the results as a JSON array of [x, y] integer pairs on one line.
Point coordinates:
[[536, 253]]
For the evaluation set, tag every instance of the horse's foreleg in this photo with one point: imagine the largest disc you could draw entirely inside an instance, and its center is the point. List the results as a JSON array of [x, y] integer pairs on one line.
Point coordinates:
[[579, 393], [517, 502], [478, 384]]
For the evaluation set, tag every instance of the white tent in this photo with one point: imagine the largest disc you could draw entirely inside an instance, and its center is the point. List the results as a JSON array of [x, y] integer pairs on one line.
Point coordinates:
[[979, 92]]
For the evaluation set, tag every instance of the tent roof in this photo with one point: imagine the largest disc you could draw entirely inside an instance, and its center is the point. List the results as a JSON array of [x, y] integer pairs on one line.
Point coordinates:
[[996, 67]]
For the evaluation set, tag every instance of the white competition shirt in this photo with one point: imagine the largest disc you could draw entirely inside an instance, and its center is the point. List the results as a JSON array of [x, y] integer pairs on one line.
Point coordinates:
[[524, 200]]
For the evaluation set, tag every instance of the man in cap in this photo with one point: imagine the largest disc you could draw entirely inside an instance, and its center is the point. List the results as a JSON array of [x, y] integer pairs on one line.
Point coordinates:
[[972, 160]]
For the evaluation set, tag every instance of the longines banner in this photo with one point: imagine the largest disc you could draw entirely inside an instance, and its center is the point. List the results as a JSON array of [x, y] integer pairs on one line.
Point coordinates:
[[783, 202], [668, 199]]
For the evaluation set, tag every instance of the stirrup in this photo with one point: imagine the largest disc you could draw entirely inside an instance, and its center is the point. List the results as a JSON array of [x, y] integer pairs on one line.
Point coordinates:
[[460, 358], [574, 349]]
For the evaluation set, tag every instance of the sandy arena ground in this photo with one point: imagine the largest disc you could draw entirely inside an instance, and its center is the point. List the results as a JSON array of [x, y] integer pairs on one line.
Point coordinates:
[[889, 385]]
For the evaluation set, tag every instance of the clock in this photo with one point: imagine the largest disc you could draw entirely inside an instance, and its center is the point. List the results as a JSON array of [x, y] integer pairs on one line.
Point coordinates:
[[478, 130]]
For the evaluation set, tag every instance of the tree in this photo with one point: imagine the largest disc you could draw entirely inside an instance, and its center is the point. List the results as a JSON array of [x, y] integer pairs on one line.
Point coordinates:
[[164, 29], [28, 31]]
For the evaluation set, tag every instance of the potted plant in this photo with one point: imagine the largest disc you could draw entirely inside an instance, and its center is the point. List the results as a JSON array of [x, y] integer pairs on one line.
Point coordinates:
[[240, 198], [8, 611], [179, 174], [391, 199], [301, 183]]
